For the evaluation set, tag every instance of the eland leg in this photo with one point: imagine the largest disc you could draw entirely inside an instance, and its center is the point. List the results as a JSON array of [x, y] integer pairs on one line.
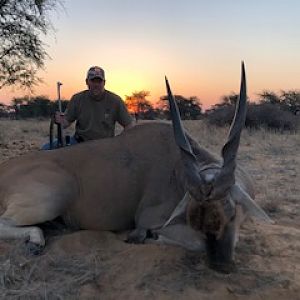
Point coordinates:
[[179, 235], [32, 235], [147, 220], [155, 213], [35, 201]]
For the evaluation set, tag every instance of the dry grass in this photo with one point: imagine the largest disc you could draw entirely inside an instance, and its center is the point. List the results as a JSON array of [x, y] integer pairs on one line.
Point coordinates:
[[17, 137], [46, 276], [267, 257]]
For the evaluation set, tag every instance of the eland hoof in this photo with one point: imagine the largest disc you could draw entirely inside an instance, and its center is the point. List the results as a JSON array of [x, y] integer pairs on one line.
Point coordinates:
[[138, 236], [33, 249]]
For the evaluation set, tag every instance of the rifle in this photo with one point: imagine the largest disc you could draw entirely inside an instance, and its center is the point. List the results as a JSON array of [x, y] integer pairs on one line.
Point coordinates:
[[60, 135]]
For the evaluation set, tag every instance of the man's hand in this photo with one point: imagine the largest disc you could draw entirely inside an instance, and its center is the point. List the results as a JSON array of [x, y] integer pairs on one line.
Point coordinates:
[[60, 118]]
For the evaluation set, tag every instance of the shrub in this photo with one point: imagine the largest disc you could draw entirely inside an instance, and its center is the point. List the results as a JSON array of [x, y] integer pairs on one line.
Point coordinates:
[[272, 117], [265, 115], [220, 115]]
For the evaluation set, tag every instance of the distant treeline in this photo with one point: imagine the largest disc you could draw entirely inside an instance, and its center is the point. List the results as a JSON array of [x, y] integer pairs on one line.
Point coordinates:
[[137, 104], [30, 107], [273, 111]]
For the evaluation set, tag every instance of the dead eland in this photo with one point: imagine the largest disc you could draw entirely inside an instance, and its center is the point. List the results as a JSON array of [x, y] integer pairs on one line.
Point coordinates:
[[154, 180]]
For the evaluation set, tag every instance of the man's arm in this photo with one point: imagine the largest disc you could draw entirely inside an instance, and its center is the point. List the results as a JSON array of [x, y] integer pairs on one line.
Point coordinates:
[[123, 116], [69, 115]]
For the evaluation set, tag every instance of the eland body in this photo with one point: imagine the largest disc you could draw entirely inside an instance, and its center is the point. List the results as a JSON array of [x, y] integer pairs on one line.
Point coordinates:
[[165, 189]]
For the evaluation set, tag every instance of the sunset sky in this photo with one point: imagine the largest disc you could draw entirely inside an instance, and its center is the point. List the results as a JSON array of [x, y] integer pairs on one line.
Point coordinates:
[[198, 44]]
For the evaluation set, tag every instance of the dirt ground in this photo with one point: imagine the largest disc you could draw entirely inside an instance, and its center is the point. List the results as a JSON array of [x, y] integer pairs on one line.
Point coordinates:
[[99, 265]]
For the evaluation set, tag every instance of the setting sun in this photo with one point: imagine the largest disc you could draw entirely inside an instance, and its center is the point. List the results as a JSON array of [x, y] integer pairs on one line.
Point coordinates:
[[124, 83]]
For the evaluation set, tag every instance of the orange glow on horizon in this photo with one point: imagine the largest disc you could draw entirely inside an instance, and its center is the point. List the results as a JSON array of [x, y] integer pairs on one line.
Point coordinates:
[[120, 87], [208, 87]]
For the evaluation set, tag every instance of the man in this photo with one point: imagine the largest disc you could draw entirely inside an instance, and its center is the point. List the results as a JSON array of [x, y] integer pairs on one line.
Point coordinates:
[[95, 110]]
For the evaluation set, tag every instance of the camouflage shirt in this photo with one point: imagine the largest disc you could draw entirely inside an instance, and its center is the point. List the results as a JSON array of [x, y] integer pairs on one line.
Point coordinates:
[[96, 116]]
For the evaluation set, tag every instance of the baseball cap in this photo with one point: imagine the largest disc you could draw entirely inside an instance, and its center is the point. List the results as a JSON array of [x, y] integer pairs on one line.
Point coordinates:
[[95, 72]]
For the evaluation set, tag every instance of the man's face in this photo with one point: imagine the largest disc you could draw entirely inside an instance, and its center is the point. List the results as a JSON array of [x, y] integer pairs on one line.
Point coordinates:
[[96, 85]]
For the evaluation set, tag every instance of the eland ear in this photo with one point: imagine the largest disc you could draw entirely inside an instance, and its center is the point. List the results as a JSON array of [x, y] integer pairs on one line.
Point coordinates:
[[179, 209], [249, 205]]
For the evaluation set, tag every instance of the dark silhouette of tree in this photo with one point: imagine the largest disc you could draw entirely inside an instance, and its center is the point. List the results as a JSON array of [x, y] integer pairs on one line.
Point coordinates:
[[35, 107], [189, 108], [16, 103], [139, 106], [228, 100], [226, 105], [269, 97], [2, 110], [22, 52], [291, 101], [287, 100]]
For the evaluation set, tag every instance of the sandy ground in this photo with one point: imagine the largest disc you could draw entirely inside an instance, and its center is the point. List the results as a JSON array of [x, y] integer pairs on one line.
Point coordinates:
[[99, 265]]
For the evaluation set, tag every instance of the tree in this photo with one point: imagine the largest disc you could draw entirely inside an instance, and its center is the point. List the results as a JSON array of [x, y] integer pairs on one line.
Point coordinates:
[[287, 100], [225, 107], [2, 110], [22, 52], [269, 97], [138, 105], [189, 108], [35, 107], [291, 101], [228, 100]]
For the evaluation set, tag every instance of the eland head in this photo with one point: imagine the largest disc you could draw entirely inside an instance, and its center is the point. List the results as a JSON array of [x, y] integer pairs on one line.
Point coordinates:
[[220, 199]]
